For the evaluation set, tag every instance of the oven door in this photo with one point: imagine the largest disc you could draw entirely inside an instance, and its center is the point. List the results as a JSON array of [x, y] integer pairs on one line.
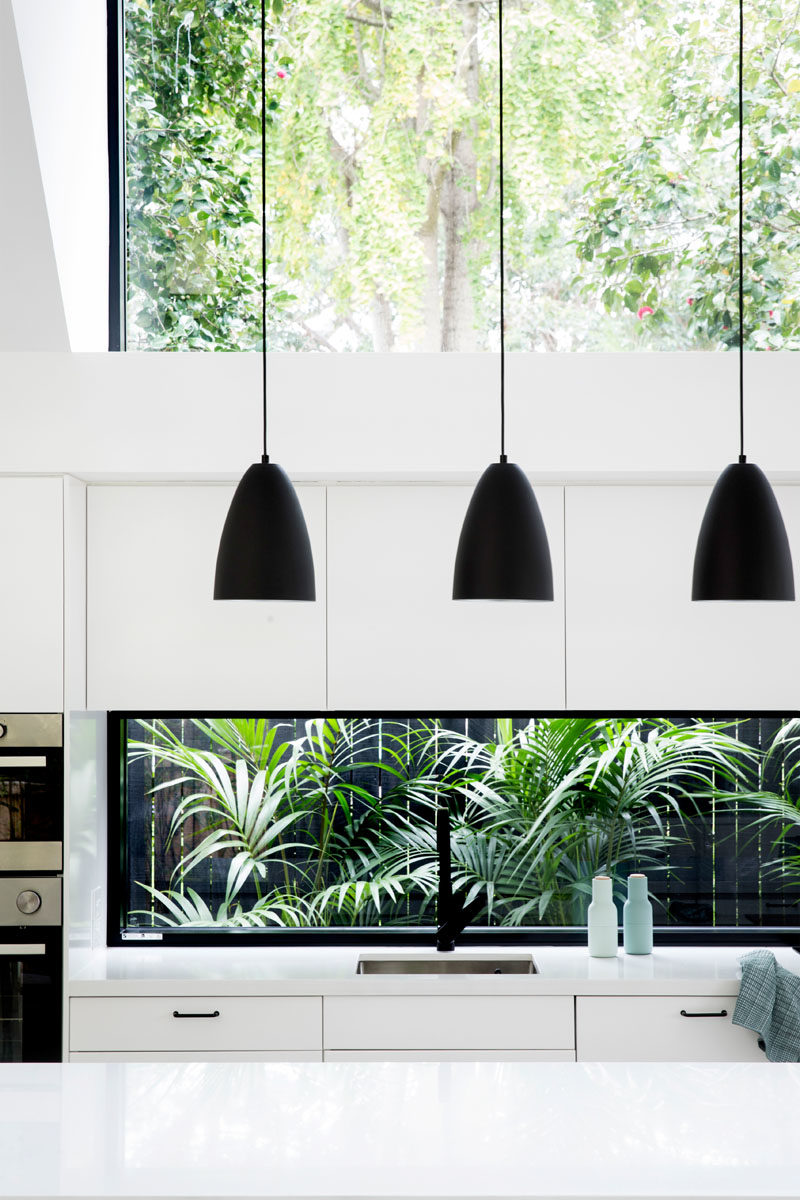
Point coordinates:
[[30, 994], [31, 792]]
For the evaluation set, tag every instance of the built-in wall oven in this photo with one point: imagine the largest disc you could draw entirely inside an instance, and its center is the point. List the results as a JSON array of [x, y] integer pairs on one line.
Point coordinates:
[[31, 862]]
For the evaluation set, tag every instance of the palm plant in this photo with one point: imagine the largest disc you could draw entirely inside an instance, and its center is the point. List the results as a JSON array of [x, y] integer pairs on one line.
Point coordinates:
[[778, 811], [548, 807], [334, 822], [260, 788]]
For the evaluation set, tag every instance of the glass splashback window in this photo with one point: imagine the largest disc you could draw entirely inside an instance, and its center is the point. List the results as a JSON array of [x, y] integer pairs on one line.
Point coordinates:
[[289, 823]]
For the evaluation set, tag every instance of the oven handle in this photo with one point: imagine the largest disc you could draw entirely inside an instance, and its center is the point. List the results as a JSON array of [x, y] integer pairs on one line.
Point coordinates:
[[22, 760], [21, 949]]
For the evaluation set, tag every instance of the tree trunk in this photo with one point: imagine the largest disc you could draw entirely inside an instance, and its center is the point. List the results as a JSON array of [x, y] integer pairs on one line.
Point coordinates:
[[382, 335], [459, 199], [429, 334]]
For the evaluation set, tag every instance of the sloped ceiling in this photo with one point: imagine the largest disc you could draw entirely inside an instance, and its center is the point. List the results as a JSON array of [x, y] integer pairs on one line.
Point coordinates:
[[31, 308]]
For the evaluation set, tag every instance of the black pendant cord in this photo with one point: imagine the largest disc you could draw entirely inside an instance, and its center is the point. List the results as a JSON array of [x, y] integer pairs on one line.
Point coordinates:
[[741, 236], [264, 456], [502, 250]]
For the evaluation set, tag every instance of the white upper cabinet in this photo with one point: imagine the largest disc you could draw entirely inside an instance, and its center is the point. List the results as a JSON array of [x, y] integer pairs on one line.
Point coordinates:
[[32, 595], [157, 638], [635, 637], [397, 639]]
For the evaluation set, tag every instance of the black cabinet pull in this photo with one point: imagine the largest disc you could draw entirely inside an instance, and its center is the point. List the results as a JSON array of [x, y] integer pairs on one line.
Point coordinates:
[[184, 1015], [722, 1013]]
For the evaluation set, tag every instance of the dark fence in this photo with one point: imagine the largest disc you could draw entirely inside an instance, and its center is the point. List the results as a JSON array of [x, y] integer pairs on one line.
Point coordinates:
[[718, 874]]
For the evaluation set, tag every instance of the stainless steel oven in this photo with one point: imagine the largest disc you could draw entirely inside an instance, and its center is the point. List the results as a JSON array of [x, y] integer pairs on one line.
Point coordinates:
[[31, 861], [31, 792], [31, 956]]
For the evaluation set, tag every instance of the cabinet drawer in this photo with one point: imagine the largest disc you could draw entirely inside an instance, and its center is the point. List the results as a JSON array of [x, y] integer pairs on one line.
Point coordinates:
[[445, 1056], [173, 1056], [449, 1023], [148, 1023], [653, 1029]]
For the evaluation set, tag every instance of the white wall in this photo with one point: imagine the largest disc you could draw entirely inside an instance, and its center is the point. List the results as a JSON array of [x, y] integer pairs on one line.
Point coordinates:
[[62, 46], [198, 415], [31, 310]]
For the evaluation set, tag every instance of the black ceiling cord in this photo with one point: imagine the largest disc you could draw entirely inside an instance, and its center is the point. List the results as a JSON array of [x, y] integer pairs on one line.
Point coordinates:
[[741, 234], [264, 456], [502, 247]]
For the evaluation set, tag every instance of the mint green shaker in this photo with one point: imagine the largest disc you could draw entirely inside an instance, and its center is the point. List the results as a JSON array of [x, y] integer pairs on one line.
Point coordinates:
[[602, 919], [637, 918]]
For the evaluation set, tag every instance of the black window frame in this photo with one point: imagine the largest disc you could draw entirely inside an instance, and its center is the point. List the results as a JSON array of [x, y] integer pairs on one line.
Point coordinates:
[[117, 248], [524, 936]]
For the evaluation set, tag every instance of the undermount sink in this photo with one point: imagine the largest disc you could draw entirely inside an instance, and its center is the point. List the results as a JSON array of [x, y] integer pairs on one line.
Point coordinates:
[[445, 964]]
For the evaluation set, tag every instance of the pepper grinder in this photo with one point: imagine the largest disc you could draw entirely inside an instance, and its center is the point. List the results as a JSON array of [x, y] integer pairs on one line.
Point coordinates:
[[637, 917], [602, 919]]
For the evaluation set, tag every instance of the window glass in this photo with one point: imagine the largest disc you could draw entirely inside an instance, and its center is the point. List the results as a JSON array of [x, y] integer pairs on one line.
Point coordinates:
[[268, 823], [382, 174]]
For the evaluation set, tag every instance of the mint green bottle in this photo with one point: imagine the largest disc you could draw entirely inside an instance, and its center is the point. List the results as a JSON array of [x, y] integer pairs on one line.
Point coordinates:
[[637, 918], [602, 919]]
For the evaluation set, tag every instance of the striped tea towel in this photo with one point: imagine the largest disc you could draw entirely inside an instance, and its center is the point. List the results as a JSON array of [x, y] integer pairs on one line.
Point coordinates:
[[769, 1002]]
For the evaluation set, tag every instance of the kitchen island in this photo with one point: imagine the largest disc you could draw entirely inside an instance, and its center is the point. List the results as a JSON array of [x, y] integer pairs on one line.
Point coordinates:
[[400, 1130]]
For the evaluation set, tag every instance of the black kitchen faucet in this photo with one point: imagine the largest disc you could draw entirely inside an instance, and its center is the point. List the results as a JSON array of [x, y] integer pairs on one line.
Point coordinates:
[[454, 915]]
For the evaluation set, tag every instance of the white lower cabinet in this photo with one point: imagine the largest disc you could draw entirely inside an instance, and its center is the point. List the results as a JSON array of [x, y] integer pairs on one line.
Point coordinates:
[[195, 1025], [403, 1028], [449, 1056], [448, 1023], [662, 1029], [276, 1056]]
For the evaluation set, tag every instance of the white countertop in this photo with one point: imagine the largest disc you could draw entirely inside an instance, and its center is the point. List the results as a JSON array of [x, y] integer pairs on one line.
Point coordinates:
[[544, 1130], [298, 970]]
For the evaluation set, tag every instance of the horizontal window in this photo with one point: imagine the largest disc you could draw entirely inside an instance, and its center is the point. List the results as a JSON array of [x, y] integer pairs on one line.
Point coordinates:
[[382, 175], [269, 825]]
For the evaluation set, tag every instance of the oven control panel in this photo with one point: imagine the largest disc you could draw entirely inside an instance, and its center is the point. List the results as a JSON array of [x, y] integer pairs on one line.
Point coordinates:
[[30, 900]]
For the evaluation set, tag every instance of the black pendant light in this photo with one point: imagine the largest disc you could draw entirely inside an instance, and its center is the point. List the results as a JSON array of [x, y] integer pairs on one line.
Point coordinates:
[[503, 552], [742, 551], [264, 552]]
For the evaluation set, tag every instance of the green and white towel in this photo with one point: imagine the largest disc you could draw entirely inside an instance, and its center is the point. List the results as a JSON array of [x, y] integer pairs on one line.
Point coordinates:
[[769, 1003]]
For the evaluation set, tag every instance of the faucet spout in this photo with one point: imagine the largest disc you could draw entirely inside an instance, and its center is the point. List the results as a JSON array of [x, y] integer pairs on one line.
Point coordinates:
[[453, 915]]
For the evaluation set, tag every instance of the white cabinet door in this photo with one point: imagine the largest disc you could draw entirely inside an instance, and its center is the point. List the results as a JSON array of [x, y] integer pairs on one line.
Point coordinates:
[[397, 639], [447, 1056], [157, 638], [662, 1029], [635, 637], [171, 1024], [449, 1023], [271, 1056], [32, 595]]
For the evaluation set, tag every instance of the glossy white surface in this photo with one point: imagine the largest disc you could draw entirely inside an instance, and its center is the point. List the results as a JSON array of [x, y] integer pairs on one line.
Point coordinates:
[[562, 970], [399, 1130]]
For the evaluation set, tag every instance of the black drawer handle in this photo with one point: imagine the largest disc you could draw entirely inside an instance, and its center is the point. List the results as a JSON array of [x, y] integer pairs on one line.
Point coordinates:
[[185, 1015], [722, 1013]]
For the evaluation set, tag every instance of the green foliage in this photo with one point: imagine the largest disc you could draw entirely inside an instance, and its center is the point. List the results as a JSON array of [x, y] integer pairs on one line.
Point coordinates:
[[659, 229], [778, 812], [294, 806], [565, 799], [308, 838], [382, 174]]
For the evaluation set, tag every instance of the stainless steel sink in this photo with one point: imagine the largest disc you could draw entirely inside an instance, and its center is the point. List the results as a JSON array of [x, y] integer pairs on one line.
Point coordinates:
[[446, 964]]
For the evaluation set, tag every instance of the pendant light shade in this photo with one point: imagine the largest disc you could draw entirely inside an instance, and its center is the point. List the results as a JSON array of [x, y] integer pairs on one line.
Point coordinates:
[[264, 552], [503, 552], [743, 551]]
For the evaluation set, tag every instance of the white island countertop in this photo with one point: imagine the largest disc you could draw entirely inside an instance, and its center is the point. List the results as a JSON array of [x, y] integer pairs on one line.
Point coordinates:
[[410, 1130], [331, 970]]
